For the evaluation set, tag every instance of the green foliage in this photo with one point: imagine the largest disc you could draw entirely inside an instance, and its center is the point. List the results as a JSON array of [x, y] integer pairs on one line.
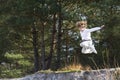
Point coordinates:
[[24, 63], [12, 56], [11, 73], [16, 66]]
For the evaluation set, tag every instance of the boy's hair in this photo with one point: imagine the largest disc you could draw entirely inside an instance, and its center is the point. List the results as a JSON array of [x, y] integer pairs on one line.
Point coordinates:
[[79, 23]]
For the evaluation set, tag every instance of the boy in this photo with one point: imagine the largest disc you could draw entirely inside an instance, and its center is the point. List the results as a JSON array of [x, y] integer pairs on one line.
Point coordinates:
[[87, 44]]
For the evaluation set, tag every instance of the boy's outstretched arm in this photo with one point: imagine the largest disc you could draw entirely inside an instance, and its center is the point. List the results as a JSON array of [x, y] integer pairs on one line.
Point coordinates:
[[96, 28]]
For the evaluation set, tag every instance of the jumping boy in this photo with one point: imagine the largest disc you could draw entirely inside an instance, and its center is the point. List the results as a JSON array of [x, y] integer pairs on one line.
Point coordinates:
[[86, 43]]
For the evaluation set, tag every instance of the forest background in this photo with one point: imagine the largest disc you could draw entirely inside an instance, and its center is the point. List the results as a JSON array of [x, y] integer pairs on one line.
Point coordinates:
[[41, 34]]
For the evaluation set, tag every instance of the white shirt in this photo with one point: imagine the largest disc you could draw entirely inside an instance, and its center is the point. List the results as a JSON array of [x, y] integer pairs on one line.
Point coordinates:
[[86, 34]]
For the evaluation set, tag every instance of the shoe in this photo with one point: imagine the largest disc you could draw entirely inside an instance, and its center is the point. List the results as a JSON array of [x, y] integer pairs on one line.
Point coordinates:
[[95, 52]]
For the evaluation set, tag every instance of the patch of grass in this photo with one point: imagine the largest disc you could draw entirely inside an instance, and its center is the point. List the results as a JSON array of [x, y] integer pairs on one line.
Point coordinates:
[[46, 71], [75, 67], [68, 68]]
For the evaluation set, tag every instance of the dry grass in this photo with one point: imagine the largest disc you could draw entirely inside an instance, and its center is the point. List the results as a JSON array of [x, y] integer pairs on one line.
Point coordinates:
[[69, 68], [75, 67]]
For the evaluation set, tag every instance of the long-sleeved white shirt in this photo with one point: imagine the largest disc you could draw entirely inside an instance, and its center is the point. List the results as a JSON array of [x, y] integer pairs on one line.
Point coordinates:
[[86, 34]]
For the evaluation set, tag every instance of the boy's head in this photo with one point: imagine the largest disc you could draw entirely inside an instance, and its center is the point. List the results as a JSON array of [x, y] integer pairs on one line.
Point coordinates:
[[81, 25]]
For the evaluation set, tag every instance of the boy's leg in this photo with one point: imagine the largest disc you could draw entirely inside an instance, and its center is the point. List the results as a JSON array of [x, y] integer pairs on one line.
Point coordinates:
[[86, 50], [85, 47], [93, 49]]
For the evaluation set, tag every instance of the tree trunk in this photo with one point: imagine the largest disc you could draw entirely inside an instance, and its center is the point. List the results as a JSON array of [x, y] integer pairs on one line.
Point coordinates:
[[67, 42], [36, 55], [59, 37], [52, 42], [42, 48]]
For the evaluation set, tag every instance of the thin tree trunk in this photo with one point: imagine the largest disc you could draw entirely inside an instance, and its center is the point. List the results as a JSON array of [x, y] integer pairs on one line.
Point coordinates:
[[42, 21], [59, 37], [52, 42], [42, 48], [67, 41], [36, 55]]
